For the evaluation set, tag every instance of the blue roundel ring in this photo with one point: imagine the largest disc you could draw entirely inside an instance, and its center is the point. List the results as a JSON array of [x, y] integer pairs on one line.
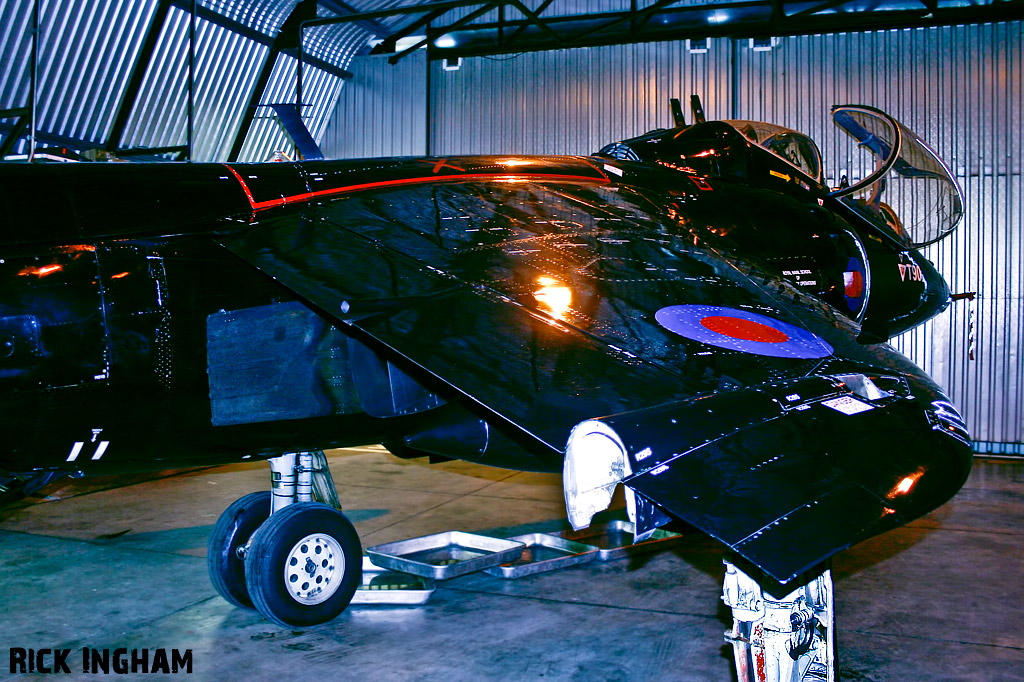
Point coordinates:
[[742, 331]]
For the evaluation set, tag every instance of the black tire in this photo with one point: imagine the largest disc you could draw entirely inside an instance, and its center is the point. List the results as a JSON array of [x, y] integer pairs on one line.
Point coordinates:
[[315, 592], [233, 529]]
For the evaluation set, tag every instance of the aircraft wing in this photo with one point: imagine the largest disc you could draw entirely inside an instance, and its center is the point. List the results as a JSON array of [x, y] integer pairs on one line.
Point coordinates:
[[551, 299]]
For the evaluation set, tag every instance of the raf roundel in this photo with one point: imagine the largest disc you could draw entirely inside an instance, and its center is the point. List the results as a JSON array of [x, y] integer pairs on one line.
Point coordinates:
[[743, 331], [855, 285]]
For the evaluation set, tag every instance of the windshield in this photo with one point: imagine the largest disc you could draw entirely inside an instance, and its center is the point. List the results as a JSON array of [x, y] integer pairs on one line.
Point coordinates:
[[796, 148]]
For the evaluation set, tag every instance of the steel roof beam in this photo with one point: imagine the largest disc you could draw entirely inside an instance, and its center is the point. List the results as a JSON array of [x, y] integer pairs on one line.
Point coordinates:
[[54, 138], [829, 4], [388, 44], [540, 10], [535, 18], [139, 68], [258, 88], [213, 17], [394, 11], [620, 17], [643, 15], [751, 28], [254, 101], [149, 45], [441, 31], [287, 38], [16, 130], [344, 9], [180, 151], [318, 63]]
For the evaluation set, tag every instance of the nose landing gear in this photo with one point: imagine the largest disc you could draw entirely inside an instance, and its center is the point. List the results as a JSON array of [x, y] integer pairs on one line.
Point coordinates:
[[788, 639]]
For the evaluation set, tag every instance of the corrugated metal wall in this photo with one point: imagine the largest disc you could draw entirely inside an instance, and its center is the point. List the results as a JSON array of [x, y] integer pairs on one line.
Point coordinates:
[[160, 116], [570, 101], [265, 16], [82, 72], [87, 51], [267, 135], [382, 110], [960, 88]]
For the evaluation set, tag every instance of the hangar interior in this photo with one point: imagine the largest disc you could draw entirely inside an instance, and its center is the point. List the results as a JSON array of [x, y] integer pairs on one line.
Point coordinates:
[[115, 78], [197, 81]]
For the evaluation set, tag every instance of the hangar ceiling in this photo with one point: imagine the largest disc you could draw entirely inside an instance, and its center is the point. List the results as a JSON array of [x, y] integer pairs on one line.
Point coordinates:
[[194, 79], [470, 28]]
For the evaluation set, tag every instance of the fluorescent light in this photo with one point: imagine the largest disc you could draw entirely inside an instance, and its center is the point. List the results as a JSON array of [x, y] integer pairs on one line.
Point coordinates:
[[407, 42], [447, 40]]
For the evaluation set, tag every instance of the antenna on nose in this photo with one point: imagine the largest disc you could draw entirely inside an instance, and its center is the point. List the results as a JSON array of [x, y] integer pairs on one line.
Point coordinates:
[[698, 109], [677, 113]]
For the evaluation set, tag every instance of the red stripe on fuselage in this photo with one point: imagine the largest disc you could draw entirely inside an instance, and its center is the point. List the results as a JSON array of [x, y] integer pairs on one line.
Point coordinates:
[[257, 205], [603, 174]]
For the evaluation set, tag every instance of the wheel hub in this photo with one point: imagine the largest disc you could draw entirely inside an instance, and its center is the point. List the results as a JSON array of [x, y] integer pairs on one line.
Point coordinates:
[[313, 569]]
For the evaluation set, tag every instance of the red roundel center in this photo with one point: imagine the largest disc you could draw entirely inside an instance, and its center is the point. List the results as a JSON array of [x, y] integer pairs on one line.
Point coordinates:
[[746, 330], [854, 282]]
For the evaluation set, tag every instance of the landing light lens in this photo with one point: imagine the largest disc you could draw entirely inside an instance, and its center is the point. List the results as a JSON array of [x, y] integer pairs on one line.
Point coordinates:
[[905, 485], [595, 462]]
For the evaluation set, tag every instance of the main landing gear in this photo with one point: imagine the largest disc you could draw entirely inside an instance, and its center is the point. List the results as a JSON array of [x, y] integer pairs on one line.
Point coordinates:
[[788, 639], [295, 560]]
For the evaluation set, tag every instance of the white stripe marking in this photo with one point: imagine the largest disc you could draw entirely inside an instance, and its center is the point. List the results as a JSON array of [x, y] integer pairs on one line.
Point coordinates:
[[101, 449], [75, 450]]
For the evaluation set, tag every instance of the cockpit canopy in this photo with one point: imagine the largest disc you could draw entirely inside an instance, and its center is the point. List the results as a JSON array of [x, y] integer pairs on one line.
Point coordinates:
[[794, 147], [920, 201], [917, 204], [723, 149]]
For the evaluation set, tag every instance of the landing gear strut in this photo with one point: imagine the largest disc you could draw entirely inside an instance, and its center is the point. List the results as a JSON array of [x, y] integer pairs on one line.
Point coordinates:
[[787, 639], [296, 560]]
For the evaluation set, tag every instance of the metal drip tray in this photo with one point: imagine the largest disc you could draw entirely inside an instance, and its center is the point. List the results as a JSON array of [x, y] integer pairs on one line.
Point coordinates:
[[383, 586], [544, 553], [445, 555], [614, 539]]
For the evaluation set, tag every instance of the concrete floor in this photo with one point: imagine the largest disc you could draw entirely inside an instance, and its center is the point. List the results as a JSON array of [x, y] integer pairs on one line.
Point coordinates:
[[940, 599]]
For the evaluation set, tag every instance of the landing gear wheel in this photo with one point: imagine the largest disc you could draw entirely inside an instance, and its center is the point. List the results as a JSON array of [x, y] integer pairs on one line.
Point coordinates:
[[233, 529], [303, 565]]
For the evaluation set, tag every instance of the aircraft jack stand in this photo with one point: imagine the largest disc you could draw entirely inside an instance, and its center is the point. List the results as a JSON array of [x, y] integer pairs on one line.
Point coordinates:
[[286, 553], [788, 639]]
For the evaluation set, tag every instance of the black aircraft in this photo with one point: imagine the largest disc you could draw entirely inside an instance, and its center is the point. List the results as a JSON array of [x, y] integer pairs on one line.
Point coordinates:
[[692, 313]]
